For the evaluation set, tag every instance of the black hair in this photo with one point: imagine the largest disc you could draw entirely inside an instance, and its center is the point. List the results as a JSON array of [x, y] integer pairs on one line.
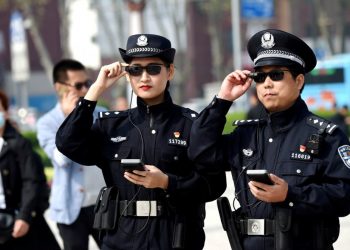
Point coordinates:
[[4, 100], [295, 71], [60, 69]]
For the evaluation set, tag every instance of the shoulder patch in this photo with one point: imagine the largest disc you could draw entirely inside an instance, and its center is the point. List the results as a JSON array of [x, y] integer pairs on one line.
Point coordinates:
[[112, 114], [344, 153], [247, 122], [321, 124], [192, 115]]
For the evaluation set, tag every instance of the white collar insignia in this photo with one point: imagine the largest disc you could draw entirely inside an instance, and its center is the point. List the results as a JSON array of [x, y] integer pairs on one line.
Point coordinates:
[[118, 139], [248, 152]]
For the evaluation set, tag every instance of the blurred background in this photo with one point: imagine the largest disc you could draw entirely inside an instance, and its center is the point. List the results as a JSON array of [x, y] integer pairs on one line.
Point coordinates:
[[209, 35]]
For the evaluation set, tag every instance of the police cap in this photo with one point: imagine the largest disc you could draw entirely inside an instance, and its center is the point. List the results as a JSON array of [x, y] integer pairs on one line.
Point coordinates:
[[148, 45], [279, 48]]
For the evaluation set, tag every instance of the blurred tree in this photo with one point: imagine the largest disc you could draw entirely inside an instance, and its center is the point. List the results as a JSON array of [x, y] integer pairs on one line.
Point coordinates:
[[170, 11], [31, 21], [330, 19], [218, 11]]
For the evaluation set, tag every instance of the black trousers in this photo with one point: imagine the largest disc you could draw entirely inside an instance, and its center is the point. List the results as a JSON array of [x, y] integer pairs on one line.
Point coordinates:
[[76, 235], [39, 237]]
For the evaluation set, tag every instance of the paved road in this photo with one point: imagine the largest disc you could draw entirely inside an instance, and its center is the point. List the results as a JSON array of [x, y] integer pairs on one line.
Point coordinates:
[[215, 236]]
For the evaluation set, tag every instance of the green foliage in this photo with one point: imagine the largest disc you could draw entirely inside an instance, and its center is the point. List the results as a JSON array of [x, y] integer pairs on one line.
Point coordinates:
[[230, 117], [31, 136]]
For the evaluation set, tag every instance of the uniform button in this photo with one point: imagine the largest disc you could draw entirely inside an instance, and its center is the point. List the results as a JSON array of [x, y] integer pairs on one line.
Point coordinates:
[[5, 171], [79, 103], [89, 105], [8, 191], [176, 158], [116, 156], [153, 131], [33, 213], [298, 171], [81, 190], [270, 140], [291, 204]]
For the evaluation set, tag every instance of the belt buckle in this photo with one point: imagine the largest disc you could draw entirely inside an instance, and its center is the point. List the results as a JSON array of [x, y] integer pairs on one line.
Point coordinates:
[[146, 208], [256, 227]]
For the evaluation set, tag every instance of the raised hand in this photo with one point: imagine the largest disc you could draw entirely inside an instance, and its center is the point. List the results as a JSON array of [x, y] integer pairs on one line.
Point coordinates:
[[234, 85], [108, 75]]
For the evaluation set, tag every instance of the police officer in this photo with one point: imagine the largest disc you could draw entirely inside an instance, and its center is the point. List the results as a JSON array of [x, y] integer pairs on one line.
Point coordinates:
[[308, 157], [161, 207]]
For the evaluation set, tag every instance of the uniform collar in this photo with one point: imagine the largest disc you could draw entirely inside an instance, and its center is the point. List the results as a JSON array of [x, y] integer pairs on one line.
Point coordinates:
[[282, 121], [158, 110]]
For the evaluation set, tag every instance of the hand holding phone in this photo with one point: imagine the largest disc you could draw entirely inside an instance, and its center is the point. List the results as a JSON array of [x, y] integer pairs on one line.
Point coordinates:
[[259, 175], [132, 164]]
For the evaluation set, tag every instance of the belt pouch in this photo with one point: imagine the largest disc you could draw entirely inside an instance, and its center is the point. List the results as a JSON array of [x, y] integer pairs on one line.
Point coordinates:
[[106, 209], [179, 233], [283, 234]]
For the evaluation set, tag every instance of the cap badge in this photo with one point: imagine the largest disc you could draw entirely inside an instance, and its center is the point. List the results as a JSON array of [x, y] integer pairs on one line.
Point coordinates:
[[142, 41], [267, 40]]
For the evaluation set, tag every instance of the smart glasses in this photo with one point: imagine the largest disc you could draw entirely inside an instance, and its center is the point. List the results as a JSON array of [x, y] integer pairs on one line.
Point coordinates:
[[275, 75], [79, 85], [137, 70]]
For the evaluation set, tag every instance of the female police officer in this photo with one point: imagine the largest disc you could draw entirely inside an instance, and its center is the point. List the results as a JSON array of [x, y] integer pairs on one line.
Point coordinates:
[[161, 207], [307, 156]]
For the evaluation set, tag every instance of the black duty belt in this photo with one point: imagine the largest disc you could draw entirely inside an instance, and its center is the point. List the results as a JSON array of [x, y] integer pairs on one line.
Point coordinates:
[[257, 226], [146, 208]]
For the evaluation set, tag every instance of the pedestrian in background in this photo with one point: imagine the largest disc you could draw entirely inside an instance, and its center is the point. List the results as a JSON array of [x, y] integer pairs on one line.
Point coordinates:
[[75, 187], [162, 206], [23, 191], [308, 157]]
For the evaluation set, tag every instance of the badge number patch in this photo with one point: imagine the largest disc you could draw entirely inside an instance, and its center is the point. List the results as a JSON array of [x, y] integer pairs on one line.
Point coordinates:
[[300, 156], [344, 153], [177, 142]]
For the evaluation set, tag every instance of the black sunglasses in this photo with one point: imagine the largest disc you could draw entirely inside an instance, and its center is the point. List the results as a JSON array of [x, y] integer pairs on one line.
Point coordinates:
[[79, 85], [137, 70], [275, 75]]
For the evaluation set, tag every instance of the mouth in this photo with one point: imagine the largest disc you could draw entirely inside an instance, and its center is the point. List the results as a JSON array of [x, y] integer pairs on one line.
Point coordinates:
[[269, 94], [145, 87]]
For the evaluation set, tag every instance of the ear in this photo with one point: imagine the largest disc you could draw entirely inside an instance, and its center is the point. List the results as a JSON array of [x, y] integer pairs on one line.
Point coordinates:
[[171, 72], [300, 80]]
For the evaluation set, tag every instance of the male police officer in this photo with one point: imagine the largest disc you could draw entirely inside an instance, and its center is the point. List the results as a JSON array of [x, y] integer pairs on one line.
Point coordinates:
[[308, 157]]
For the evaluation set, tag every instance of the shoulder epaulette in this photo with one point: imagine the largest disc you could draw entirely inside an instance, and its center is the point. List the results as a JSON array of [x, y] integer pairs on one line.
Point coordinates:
[[192, 115], [321, 124], [247, 122], [112, 114]]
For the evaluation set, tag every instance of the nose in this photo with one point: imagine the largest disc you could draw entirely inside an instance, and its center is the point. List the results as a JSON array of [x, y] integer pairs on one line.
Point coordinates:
[[268, 83], [144, 75]]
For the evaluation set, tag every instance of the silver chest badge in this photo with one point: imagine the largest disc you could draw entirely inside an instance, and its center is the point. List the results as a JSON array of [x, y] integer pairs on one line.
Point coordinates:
[[118, 139], [142, 41], [248, 152], [267, 40]]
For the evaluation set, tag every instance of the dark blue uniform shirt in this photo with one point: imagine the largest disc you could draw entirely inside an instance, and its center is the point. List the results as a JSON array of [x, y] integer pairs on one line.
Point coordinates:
[[318, 181], [162, 133]]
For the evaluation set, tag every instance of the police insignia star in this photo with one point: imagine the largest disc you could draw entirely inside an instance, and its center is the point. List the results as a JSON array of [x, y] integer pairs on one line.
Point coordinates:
[[344, 153]]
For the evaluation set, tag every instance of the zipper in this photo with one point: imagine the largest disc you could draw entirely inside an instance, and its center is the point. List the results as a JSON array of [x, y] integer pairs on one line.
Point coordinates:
[[150, 117]]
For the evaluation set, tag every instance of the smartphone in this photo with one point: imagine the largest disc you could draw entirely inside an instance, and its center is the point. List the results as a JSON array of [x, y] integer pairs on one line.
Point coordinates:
[[259, 175], [132, 164]]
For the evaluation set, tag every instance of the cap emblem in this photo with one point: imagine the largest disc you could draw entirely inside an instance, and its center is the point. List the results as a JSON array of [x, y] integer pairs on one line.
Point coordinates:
[[142, 41], [267, 40]]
